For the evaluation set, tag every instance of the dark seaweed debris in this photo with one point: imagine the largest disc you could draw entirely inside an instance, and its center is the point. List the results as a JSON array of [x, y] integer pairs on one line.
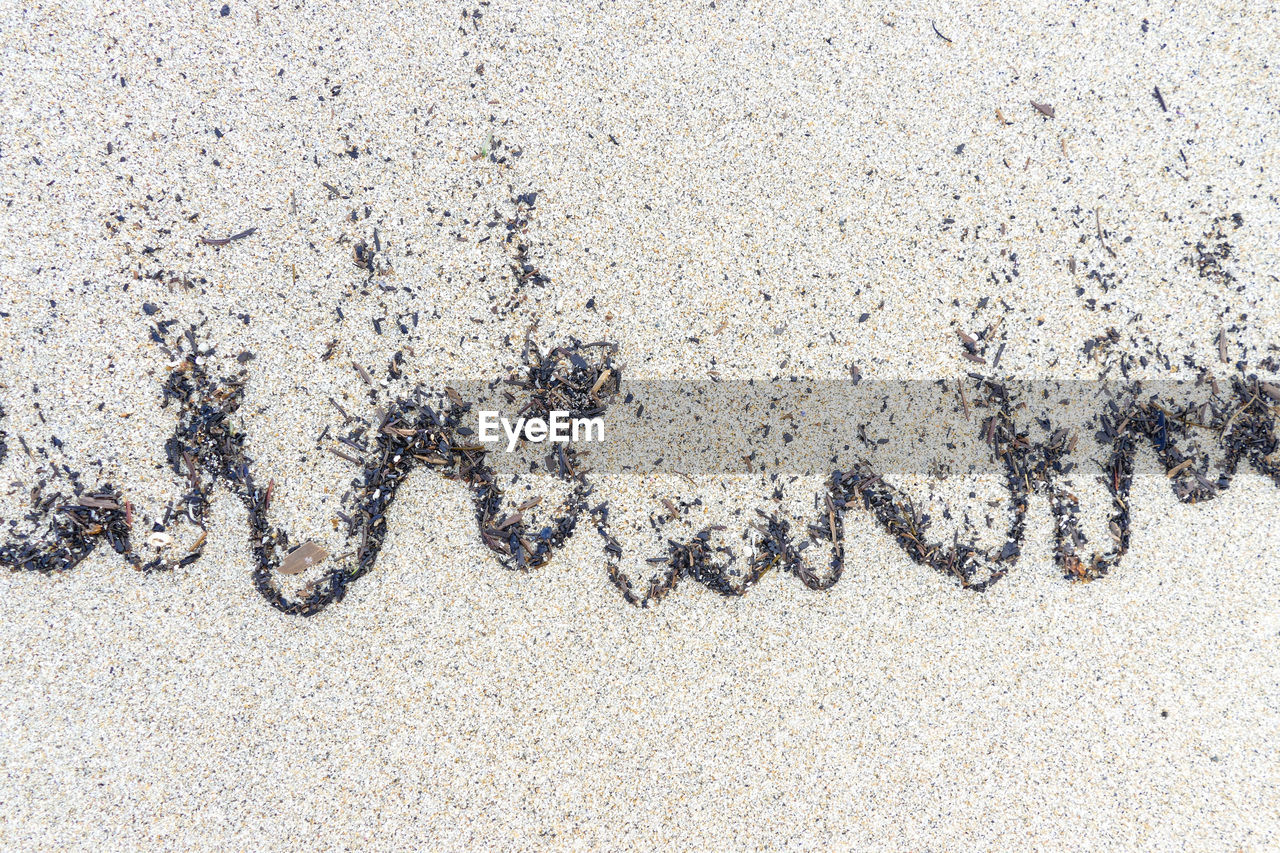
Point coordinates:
[[971, 566], [412, 434], [712, 566], [1214, 250], [74, 526], [579, 379], [209, 448], [1242, 423]]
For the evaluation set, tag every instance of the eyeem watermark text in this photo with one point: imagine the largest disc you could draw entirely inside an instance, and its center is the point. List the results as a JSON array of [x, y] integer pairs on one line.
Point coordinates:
[[560, 428]]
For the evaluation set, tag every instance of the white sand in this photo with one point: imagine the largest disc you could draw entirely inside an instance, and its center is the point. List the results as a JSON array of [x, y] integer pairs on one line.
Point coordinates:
[[805, 153]]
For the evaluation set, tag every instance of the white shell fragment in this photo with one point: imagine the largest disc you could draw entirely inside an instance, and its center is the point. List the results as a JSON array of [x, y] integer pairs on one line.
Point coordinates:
[[156, 539]]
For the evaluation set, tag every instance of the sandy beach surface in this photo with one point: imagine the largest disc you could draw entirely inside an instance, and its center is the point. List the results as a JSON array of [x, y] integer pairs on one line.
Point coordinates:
[[340, 196]]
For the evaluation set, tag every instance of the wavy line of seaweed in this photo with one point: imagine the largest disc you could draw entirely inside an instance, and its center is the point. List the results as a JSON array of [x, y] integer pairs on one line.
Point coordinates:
[[209, 447]]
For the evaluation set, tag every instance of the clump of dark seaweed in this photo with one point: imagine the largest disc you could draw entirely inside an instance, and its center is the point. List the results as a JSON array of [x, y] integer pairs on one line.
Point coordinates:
[[1242, 422], [1117, 477], [1214, 250], [65, 529], [713, 566], [973, 567], [579, 379], [74, 525], [775, 547]]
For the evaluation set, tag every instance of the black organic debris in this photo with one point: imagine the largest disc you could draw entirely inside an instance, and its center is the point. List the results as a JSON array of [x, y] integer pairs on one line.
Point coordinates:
[[209, 448]]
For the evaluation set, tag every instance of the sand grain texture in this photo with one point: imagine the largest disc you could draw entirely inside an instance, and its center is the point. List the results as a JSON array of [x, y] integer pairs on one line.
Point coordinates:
[[753, 190]]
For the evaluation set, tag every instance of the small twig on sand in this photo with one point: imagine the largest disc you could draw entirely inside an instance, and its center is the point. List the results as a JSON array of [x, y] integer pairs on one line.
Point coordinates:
[[1097, 218]]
